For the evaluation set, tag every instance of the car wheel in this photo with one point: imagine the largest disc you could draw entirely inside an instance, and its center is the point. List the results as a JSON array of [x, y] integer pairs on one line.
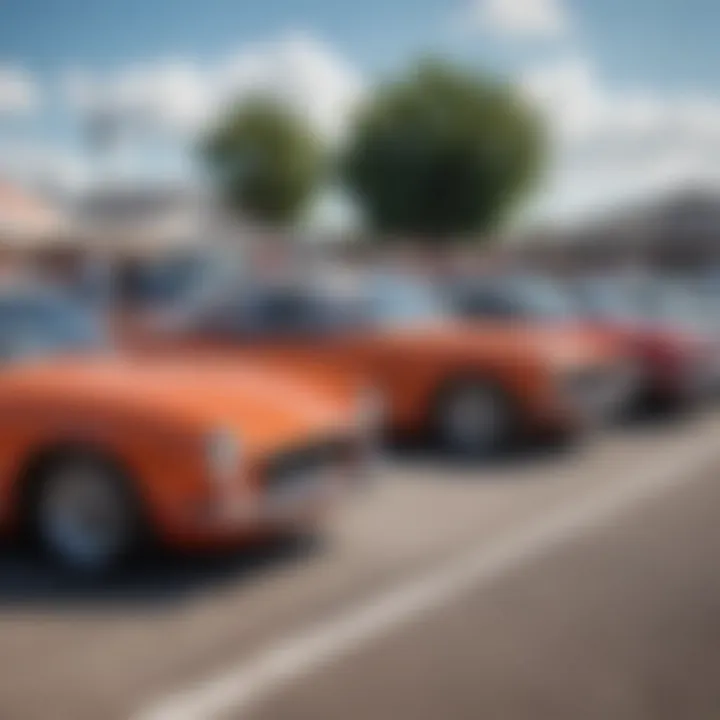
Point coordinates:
[[84, 516], [473, 418]]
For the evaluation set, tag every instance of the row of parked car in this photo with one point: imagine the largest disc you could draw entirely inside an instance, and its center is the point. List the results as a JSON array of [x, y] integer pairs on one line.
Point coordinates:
[[244, 413]]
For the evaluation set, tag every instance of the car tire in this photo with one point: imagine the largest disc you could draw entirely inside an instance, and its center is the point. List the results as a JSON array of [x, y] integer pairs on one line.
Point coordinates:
[[84, 516], [473, 419]]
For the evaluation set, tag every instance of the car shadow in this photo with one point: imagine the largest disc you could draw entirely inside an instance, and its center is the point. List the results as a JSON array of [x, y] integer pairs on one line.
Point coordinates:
[[659, 418], [527, 455], [531, 454], [156, 580]]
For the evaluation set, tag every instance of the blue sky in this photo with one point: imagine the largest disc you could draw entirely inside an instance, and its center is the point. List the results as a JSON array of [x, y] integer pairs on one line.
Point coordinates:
[[46, 34], [651, 41], [657, 42], [607, 72]]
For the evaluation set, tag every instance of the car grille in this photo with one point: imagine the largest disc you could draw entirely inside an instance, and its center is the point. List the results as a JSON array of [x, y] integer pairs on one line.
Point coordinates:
[[297, 466]]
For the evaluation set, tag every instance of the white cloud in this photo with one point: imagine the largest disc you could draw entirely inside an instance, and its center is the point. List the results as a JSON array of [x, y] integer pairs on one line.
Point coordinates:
[[19, 93], [608, 145], [38, 163], [301, 71], [540, 19], [172, 95], [181, 96], [611, 146], [161, 105]]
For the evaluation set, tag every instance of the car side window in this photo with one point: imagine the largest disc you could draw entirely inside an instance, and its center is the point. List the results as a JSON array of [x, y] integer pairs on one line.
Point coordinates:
[[228, 318], [29, 325], [481, 302], [285, 313], [275, 314], [293, 313]]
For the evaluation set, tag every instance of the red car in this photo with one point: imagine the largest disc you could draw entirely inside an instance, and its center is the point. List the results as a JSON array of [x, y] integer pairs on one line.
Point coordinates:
[[675, 359], [667, 328]]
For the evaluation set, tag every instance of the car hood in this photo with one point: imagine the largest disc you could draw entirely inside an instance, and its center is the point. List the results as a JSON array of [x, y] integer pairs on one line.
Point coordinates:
[[264, 406], [562, 347], [641, 334]]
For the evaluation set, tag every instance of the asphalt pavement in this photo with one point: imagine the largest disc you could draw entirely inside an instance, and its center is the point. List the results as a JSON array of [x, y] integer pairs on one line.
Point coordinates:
[[552, 585]]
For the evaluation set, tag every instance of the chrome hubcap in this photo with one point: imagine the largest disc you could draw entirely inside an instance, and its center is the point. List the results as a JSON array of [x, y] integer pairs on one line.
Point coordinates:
[[472, 419], [82, 517]]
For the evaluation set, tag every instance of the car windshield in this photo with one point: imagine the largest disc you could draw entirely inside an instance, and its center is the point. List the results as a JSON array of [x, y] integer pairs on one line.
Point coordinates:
[[399, 301], [41, 324], [640, 302], [540, 299], [673, 304], [606, 300], [370, 302], [282, 310], [510, 298], [182, 280]]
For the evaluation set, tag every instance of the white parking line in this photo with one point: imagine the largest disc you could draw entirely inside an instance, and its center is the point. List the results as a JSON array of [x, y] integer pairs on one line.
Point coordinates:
[[237, 688]]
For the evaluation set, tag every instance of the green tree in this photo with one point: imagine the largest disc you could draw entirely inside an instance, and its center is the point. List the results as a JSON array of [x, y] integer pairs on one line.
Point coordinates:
[[442, 153], [265, 160]]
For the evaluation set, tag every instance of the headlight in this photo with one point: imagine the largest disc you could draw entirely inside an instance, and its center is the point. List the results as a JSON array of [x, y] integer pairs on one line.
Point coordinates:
[[222, 455]]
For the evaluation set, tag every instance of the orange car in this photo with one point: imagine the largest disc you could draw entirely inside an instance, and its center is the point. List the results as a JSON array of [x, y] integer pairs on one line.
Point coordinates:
[[535, 305], [101, 452], [473, 388]]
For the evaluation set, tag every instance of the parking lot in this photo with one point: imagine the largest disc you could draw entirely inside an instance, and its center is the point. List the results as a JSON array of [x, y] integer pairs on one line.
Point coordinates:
[[359, 363], [558, 585]]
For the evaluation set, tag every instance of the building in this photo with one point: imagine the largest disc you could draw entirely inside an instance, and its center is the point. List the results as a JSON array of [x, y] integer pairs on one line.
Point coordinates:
[[28, 221], [679, 230]]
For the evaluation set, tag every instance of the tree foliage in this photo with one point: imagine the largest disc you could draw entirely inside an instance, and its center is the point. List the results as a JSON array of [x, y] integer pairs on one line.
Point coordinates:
[[265, 160], [442, 153]]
